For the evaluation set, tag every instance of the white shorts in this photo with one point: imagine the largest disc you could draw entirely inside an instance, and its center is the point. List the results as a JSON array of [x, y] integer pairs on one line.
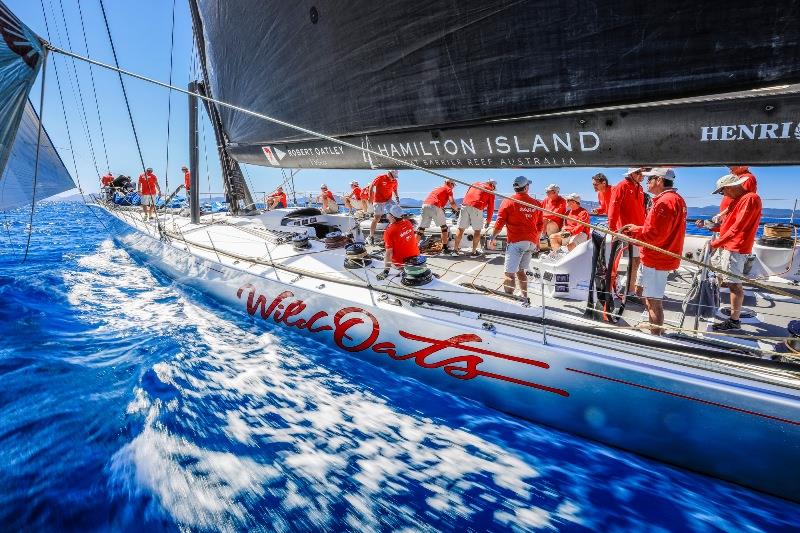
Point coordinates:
[[732, 262], [381, 208], [653, 282], [432, 212], [577, 239], [518, 256], [332, 208], [148, 199], [470, 217]]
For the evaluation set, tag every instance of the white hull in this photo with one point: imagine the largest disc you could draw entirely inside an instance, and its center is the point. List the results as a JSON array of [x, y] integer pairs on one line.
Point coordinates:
[[733, 422]]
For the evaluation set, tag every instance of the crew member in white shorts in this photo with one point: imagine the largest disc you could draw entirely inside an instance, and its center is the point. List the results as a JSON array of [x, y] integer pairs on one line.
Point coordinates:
[[433, 210], [471, 214], [524, 224]]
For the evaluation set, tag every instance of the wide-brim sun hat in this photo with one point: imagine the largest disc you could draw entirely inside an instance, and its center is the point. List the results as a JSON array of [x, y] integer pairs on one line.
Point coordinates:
[[729, 180], [552, 187], [660, 172]]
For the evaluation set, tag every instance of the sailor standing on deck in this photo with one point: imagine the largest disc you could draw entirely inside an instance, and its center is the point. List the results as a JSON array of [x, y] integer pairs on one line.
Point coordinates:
[[553, 202], [600, 184], [665, 228], [148, 189], [326, 198], [400, 240], [572, 233], [737, 233], [433, 210], [105, 183], [471, 214], [523, 228], [750, 184], [627, 206], [381, 191]]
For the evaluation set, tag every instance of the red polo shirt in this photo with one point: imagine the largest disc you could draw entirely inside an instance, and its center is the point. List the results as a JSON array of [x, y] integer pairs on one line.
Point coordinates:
[[751, 185], [107, 180], [522, 223], [148, 183], [401, 238], [384, 186], [281, 196], [665, 227], [187, 179], [604, 198], [479, 199], [439, 196], [737, 233], [557, 205], [626, 205], [356, 193], [573, 227]]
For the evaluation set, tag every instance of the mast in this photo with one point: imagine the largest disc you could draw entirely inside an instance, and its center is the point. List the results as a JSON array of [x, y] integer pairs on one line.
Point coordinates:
[[194, 157], [237, 193]]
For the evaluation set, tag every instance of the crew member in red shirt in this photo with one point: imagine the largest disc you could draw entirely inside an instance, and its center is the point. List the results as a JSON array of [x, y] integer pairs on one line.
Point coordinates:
[[381, 191], [433, 210], [750, 184], [105, 183], [524, 226], [366, 199], [277, 200], [627, 206], [400, 240], [148, 191], [553, 202], [737, 233], [600, 184], [572, 233], [471, 213], [665, 228], [353, 200], [328, 201]]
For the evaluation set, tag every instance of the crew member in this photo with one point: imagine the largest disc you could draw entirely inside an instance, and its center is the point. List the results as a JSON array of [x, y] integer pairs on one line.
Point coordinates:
[[627, 206], [737, 233], [600, 184], [105, 183], [433, 210], [400, 240], [572, 233], [381, 191], [277, 200], [327, 200], [366, 199], [471, 214], [353, 200], [553, 202], [749, 184], [524, 226], [148, 189], [187, 182], [665, 228]]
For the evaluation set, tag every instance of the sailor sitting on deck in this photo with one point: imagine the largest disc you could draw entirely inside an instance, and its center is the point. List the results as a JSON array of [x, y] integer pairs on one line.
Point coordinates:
[[433, 210], [353, 201], [471, 214], [523, 228], [326, 198], [665, 228], [366, 199], [381, 191], [400, 240], [276, 200], [572, 233], [553, 202], [737, 233]]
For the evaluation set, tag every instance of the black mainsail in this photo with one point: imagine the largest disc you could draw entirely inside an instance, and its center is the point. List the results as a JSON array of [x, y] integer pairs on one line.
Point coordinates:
[[511, 83]]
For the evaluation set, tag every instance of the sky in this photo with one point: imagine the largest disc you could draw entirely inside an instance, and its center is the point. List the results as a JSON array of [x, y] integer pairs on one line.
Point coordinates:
[[142, 32]]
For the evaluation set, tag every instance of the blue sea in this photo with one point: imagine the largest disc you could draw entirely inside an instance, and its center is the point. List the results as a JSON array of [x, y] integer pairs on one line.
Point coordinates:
[[130, 403]]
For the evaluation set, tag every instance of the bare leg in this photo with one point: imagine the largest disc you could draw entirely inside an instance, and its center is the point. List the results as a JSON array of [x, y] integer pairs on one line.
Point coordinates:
[[555, 241], [634, 274], [476, 238], [737, 299], [459, 234], [508, 283], [655, 312], [523, 283], [373, 226], [445, 238], [551, 227]]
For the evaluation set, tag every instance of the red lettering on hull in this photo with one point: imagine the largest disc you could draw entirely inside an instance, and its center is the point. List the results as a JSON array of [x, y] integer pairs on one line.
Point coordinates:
[[357, 330]]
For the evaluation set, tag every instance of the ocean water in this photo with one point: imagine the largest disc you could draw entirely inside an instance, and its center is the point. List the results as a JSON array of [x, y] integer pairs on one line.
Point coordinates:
[[130, 403]]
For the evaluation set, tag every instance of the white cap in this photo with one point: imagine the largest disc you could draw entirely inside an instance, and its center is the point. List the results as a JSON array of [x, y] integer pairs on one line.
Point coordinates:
[[393, 173], [573, 196], [396, 211], [552, 187], [729, 180], [323, 186], [354, 182], [631, 171], [660, 172], [520, 182], [492, 181]]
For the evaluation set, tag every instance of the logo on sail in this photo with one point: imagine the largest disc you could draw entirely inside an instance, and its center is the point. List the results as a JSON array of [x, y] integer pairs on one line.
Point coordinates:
[[274, 155]]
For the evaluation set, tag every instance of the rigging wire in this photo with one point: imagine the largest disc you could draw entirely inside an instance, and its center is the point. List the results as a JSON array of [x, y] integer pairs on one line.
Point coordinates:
[[79, 94], [603, 230], [45, 53], [169, 96], [94, 89]]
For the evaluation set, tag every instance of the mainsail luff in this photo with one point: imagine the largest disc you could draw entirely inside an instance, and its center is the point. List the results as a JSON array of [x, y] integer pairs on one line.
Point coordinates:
[[356, 70]]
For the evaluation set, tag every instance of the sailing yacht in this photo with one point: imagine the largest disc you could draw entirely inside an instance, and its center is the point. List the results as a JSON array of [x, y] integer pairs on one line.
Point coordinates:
[[494, 85]]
